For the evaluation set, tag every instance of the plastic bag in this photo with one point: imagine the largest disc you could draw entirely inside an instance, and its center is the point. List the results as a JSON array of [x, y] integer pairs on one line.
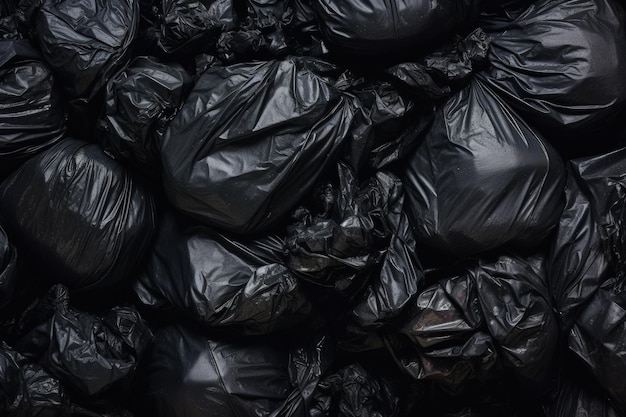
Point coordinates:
[[190, 374], [89, 353], [32, 117], [252, 139], [482, 178], [27, 389], [581, 257], [560, 63], [8, 270], [187, 26], [358, 239], [85, 43], [493, 319], [367, 27], [445, 70], [241, 285], [77, 216], [140, 102]]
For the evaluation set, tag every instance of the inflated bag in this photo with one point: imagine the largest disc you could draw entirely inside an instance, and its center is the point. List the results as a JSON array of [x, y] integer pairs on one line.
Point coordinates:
[[371, 27], [32, 117], [482, 178], [242, 285], [252, 139], [561, 63], [78, 215]]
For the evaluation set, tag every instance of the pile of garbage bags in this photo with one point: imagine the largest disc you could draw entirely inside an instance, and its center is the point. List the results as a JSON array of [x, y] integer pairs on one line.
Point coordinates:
[[312, 208]]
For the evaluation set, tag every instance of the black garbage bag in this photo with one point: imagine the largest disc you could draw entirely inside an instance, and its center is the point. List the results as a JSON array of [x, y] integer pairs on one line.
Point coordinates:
[[440, 73], [89, 353], [492, 321], [252, 139], [8, 270], [574, 397], [354, 392], [374, 28], [192, 26], [560, 63], [242, 285], [482, 178], [32, 116], [191, 374], [85, 43], [358, 238], [581, 258], [27, 390], [76, 216], [141, 100]]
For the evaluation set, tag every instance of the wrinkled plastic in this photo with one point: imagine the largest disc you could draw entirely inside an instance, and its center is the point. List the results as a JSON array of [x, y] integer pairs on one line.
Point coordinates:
[[243, 285], [367, 27], [190, 374], [575, 398], [252, 139], [27, 390], [580, 257], [358, 238], [561, 63], [8, 270], [140, 102], [493, 319], [188, 25], [32, 117], [85, 43], [354, 392], [77, 216], [441, 72], [89, 353], [482, 178]]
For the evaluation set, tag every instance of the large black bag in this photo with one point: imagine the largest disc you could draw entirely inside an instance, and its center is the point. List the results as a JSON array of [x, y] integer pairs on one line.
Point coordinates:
[[242, 285], [8, 270], [190, 374], [85, 43], [482, 178], [32, 116], [493, 319], [560, 63], [370, 27], [90, 353], [77, 216], [140, 102], [252, 139], [355, 239]]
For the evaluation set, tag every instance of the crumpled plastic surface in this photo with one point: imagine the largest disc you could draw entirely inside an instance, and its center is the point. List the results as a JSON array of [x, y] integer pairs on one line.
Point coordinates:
[[89, 353], [358, 238], [560, 63], [369, 27], [77, 215], [32, 116], [252, 139], [354, 392], [441, 72], [581, 257], [492, 319], [241, 285], [8, 270], [85, 43], [27, 390], [140, 102], [482, 178], [187, 25], [576, 398], [191, 374]]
